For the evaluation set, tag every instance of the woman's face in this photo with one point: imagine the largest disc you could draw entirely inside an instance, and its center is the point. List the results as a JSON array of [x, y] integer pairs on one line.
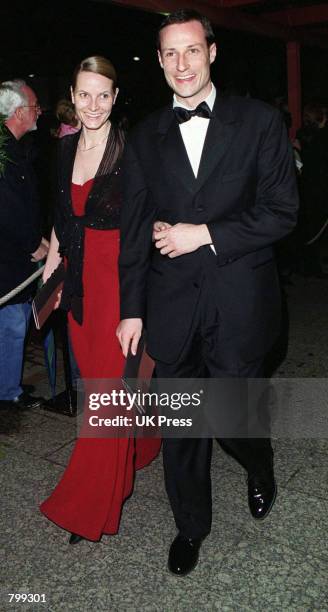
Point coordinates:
[[93, 98]]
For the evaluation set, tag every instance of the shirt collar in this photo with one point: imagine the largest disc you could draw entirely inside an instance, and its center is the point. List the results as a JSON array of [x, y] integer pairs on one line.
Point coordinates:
[[209, 100]]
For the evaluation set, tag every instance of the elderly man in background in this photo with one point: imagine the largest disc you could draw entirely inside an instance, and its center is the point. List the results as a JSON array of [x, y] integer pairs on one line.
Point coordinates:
[[21, 241]]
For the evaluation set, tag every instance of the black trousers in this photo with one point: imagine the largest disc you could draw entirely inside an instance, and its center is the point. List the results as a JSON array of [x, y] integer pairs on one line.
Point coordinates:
[[187, 461]]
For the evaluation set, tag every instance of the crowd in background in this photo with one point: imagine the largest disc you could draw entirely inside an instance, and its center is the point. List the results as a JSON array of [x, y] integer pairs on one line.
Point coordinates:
[[305, 252]]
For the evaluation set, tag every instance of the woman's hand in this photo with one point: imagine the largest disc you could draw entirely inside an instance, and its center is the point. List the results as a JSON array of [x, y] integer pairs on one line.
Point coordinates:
[[53, 258], [159, 226], [53, 261], [59, 296], [41, 252]]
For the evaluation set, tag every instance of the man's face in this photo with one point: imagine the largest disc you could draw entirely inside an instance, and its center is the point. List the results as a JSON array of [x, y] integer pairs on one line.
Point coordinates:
[[186, 58], [29, 113]]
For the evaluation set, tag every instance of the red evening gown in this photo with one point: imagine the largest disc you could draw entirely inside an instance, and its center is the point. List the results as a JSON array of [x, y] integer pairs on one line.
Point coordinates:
[[99, 477]]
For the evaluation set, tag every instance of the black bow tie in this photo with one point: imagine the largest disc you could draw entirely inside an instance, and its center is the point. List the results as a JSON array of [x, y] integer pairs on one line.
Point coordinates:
[[183, 114]]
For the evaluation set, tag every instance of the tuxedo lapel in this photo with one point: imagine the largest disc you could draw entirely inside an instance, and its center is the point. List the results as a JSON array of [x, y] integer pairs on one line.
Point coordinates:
[[173, 152], [222, 129]]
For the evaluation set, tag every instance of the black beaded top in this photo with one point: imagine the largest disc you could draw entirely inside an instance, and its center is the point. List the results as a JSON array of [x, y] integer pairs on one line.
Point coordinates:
[[102, 211]]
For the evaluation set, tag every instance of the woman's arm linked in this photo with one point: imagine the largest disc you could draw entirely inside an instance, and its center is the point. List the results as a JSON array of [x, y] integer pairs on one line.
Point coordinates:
[[53, 261]]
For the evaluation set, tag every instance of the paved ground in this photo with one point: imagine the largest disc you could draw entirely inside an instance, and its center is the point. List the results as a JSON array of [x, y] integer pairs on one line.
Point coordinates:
[[277, 565]]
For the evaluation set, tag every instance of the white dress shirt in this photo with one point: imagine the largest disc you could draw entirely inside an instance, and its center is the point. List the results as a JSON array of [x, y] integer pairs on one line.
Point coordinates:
[[193, 134]]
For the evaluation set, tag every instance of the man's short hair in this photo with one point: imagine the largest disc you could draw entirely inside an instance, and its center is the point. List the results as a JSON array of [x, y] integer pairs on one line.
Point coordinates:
[[184, 16], [12, 97]]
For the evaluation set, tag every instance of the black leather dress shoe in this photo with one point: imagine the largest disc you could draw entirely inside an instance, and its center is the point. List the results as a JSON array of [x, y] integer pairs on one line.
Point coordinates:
[[75, 539], [183, 555], [262, 492], [22, 402], [26, 401]]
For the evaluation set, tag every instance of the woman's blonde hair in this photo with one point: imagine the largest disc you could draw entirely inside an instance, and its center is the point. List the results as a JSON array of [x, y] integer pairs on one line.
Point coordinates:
[[98, 65], [65, 113]]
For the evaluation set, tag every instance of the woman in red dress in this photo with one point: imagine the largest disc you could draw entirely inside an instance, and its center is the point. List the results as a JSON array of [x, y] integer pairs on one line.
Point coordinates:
[[88, 499]]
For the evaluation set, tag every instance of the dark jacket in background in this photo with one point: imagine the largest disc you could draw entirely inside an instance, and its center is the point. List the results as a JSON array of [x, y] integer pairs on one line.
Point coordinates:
[[314, 179], [20, 223]]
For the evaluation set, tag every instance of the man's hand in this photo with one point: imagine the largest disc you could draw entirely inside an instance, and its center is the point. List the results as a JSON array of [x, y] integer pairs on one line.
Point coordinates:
[[41, 252], [181, 238], [129, 332]]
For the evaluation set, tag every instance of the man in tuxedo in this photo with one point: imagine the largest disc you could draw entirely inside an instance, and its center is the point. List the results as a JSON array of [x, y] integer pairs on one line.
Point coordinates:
[[219, 173]]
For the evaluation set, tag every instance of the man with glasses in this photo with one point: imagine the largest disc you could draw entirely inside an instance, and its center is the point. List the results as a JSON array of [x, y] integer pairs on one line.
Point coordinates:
[[21, 241]]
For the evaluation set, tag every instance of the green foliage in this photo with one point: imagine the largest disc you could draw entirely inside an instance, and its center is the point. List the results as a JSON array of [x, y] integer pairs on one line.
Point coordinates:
[[3, 138]]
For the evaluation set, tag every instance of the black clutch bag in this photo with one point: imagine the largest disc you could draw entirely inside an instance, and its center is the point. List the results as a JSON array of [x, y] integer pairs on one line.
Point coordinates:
[[46, 297]]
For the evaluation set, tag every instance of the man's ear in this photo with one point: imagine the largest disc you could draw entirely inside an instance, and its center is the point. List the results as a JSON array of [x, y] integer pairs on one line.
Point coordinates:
[[160, 58], [212, 52], [19, 113]]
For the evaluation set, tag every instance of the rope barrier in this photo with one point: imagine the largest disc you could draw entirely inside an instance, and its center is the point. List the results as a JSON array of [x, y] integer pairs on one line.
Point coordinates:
[[320, 232], [25, 283]]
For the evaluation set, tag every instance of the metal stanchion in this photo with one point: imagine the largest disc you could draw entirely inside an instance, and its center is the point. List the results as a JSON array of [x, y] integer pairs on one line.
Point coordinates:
[[66, 401]]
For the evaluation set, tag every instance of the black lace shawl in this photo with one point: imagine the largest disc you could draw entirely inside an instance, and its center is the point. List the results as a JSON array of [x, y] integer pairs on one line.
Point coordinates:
[[102, 211]]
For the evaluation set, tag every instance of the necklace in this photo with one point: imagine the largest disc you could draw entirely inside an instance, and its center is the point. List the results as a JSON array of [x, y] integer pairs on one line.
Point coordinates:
[[94, 146]]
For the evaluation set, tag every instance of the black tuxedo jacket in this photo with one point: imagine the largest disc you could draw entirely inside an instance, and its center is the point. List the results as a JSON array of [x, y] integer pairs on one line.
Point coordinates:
[[245, 192]]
